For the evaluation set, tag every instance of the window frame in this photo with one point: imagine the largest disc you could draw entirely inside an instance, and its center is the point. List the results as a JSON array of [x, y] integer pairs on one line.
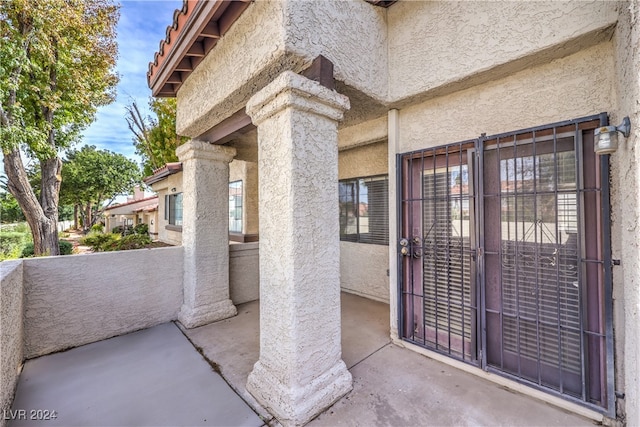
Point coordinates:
[[380, 219]]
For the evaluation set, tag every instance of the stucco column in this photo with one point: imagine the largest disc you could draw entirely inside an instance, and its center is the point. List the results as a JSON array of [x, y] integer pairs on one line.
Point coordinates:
[[205, 232], [300, 371]]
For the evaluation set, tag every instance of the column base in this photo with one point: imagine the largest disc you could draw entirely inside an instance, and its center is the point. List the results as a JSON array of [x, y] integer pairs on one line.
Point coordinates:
[[192, 317], [295, 406]]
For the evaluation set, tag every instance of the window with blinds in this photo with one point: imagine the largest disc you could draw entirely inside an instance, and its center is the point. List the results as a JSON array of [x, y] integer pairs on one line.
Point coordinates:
[[364, 210], [173, 208]]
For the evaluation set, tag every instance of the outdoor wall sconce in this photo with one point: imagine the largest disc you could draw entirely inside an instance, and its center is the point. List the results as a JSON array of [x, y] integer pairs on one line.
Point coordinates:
[[606, 137], [173, 190]]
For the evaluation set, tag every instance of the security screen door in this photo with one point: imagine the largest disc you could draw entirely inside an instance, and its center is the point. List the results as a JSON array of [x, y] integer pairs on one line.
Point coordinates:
[[501, 260]]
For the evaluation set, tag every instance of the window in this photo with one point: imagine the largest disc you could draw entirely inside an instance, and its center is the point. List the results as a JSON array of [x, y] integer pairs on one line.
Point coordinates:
[[173, 209], [364, 210], [235, 207]]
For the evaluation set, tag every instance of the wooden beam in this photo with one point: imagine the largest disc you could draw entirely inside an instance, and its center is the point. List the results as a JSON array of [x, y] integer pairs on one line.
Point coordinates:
[[197, 49], [211, 30], [175, 77], [321, 71], [184, 65], [239, 121]]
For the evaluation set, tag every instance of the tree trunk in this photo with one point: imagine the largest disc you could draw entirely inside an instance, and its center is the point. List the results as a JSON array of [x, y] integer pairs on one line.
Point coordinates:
[[43, 222], [88, 222], [75, 217]]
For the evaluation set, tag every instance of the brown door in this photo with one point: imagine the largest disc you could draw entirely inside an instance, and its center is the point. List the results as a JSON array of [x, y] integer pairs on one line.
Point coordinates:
[[439, 309], [502, 259]]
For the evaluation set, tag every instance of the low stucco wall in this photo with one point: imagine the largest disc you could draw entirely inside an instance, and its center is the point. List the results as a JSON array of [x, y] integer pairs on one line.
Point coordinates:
[[363, 270], [244, 272], [75, 300], [11, 273]]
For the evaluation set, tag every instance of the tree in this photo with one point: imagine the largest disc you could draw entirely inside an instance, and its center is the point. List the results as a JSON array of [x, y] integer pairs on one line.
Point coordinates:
[[155, 139], [90, 177], [57, 60]]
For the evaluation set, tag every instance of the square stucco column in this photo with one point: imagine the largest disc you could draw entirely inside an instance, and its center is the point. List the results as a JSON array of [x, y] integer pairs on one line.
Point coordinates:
[[300, 371], [205, 232]]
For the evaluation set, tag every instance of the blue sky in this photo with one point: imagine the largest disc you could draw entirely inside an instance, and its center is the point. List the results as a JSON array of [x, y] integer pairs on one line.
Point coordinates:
[[142, 25]]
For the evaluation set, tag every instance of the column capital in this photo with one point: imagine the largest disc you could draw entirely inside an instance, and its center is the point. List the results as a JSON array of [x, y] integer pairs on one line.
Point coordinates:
[[291, 90], [195, 149]]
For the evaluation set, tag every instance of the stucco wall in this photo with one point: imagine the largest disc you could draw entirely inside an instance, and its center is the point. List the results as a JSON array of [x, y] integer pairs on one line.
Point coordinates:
[[579, 85], [363, 161], [247, 172], [11, 331], [436, 44], [363, 133], [625, 200], [244, 272], [363, 267], [363, 270], [75, 300], [224, 81], [163, 188]]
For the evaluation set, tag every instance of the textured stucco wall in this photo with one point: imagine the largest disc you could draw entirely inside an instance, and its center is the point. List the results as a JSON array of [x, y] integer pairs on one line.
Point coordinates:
[[363, 270], [71, 301], [625, 198], [11, 331], [351, 34], [435, 44], [363, 267], [226, 78], [578, 85], [363, 133], [247, 172], [163, 188], [244, 272], [363, 161]]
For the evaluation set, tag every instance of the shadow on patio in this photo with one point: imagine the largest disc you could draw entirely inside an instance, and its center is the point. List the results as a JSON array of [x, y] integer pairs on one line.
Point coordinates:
[[153, 377]]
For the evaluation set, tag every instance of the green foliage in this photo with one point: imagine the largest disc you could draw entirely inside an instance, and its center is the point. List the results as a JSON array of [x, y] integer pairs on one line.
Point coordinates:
[[10, 211], [155, 139], [66, 248], [98, 228], [100, 242], [91, 176], [11, 244], [57, 66], [132, 241], [141, 229]]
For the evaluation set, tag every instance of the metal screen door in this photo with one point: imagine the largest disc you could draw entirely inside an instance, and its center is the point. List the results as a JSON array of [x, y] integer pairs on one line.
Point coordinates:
[[439, 291], [501, 256]]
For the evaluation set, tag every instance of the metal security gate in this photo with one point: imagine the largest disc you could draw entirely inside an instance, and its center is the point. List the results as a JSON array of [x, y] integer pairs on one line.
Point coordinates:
[[502, 257]]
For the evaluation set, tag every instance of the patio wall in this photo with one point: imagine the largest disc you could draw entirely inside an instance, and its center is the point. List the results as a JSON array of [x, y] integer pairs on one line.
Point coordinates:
[[244, 272], [11, 331], [75, 300]]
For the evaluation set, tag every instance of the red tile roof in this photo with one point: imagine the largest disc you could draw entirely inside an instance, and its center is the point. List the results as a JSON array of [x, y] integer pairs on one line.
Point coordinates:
[[163, 172]]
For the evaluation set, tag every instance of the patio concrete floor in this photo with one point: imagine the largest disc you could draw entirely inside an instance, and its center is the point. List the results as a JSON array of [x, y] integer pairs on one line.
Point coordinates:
[[154, 377]]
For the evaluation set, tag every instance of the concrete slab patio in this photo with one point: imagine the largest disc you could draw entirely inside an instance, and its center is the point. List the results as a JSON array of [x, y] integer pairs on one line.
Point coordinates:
[[152, 377], [155, 377], [392, 386]]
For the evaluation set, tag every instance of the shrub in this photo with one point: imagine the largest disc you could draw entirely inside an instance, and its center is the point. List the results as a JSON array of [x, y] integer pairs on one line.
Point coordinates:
[[28, 250], [97, 228], [11, 244], [141, 229], [119, 229], [66, 248], [132, 241], [99, 241]]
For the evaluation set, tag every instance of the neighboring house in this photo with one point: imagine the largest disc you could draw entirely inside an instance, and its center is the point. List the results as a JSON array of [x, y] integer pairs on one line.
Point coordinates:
[[136, 210], [435, 155]]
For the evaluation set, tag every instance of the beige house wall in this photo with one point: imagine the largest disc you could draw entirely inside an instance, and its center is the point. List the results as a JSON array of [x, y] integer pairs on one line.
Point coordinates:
[[441, 47], [163, 188], [11, 331], [363, 267], [447, 72]]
